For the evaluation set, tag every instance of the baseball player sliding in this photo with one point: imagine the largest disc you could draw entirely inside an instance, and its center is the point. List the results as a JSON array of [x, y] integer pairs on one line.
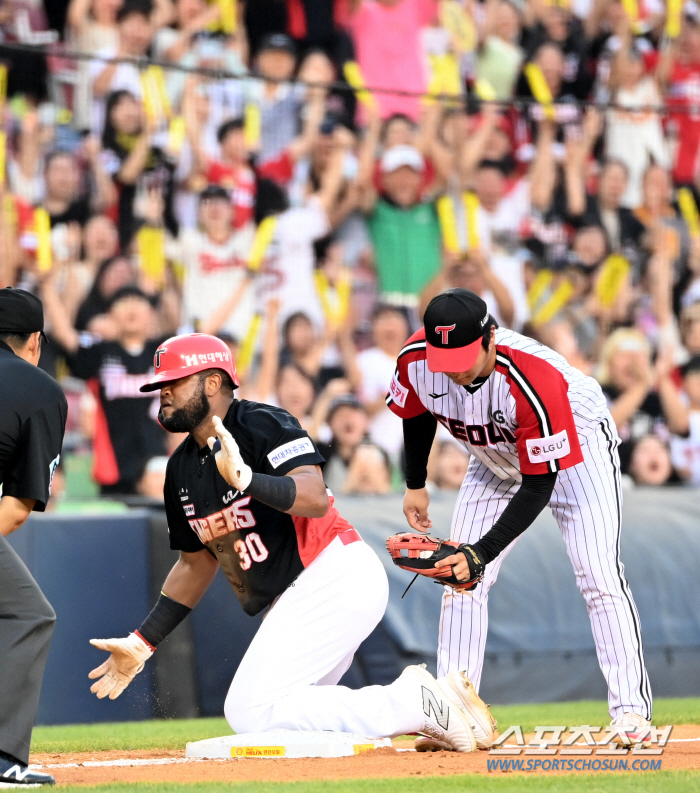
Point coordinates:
[[538, 432], [245, 491]]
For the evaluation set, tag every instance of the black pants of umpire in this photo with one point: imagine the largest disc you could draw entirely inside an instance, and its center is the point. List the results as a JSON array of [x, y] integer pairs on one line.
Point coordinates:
[[26, 625]]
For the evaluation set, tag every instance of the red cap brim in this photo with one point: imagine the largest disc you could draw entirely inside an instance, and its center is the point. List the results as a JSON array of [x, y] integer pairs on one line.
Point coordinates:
[[158, 381], [457, 359]]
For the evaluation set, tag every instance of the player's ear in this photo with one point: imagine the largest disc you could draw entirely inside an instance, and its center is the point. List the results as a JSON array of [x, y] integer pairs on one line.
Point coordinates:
[[213, 384]]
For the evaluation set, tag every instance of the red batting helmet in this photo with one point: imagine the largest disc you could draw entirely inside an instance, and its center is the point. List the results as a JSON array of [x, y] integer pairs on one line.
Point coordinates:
[[181, 356]]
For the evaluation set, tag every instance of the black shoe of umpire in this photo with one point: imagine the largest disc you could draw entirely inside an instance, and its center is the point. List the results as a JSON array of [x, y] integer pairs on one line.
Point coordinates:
[[13, 773]]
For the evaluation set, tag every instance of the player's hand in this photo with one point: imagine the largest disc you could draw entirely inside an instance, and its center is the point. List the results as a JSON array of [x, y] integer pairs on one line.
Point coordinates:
[[460, 566], [415, 508], [127, 659], [228, 458]]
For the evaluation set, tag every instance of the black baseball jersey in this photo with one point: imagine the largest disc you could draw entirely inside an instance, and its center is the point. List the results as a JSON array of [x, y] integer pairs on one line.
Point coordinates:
[[260, 549], [33, 412], [116, 376]]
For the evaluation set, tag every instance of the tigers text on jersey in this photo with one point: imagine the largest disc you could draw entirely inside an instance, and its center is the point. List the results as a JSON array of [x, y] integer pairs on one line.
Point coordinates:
[[530, 415], [260, 549]]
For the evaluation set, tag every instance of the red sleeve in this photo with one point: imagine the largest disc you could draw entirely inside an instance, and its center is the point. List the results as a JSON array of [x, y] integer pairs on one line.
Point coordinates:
[[280, 170], [546, 437], [401, 398]]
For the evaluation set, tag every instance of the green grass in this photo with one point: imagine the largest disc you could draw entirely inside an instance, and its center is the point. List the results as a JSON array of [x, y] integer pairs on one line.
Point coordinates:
[[175, 734], [654, 782]]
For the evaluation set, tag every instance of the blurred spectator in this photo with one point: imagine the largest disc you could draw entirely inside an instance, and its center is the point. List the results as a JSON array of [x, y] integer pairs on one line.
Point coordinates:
[[295, 393], [642, 399], [216, 296], [634, 137], [152, 481], [231, 170], [99, 243], [404, 229], [113, 274], [92, 27], [390, 331], [126, 432], [348, 423], [387, 41], [650, 462], [500, 55], [288, 271], [369, 472], [473, 272], [448, 466], [679, 74], [685, 452], [136, 23], [136, 164], [605, 208]]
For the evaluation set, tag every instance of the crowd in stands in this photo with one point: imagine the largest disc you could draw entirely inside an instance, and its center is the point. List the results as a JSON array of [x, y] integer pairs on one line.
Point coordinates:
[[252, 192]]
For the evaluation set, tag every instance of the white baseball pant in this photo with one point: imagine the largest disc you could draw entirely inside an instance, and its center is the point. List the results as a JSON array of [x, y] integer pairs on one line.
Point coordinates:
[[287, 679]]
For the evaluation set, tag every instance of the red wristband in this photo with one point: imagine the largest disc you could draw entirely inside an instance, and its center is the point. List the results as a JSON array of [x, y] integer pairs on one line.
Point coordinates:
[[153, 649]]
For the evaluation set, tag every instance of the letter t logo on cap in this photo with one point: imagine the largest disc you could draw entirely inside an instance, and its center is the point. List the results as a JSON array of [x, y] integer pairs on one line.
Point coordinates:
[[444, 330]]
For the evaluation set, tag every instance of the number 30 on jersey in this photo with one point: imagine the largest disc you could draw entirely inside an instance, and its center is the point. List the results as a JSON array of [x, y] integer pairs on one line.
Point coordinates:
[[250, 550]]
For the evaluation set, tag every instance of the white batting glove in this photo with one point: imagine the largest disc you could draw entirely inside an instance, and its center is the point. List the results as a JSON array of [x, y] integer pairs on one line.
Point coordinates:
[[127, 659], [228, 458]]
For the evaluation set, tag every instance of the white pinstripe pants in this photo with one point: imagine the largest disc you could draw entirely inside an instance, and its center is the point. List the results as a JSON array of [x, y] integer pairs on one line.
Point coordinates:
[[586, 503]]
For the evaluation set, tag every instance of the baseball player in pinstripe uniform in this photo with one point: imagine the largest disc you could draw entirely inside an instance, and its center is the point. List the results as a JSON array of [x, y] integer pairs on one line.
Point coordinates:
[[538, 432]]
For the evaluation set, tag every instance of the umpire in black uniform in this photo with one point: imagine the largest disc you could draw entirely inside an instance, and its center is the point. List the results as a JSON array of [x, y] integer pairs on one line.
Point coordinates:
[[33, 412]]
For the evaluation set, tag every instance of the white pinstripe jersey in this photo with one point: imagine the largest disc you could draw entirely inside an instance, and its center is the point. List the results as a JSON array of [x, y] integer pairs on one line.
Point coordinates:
[[530, 416]]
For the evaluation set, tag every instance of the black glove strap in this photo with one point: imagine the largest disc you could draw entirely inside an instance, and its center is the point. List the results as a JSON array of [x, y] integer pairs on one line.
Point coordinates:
[[474, 560], [165, 616]]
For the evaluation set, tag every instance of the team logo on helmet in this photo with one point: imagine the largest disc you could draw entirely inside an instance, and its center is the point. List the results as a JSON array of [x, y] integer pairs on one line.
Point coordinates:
[[444, 331], [159, 352]]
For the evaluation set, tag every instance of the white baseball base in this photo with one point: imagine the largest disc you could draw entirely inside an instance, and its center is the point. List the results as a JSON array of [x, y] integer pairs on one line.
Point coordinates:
[[285, 743]]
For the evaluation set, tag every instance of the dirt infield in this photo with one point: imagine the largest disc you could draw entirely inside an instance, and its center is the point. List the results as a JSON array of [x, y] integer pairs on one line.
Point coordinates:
[[171, 766]]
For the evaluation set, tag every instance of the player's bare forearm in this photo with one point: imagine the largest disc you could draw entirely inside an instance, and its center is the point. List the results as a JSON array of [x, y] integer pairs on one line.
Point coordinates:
[[311, 498], [13, 513], [190, 577]]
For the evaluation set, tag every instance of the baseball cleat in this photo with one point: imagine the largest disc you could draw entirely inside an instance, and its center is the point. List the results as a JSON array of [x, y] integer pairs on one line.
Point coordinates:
[[423, 744], [459, 687], [14, 774], [445, 721], [635, 727]]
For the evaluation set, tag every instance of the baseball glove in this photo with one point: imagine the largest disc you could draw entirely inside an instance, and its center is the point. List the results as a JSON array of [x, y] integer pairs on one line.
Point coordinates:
[[418, 554]]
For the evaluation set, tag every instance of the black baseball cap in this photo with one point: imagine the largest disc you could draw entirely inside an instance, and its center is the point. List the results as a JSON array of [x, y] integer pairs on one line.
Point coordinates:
[[20, 312], [454, 327], [278, 41]]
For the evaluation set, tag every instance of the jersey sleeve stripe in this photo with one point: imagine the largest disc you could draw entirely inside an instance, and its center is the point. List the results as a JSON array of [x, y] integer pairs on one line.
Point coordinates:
[[419, 345], [534, 401]]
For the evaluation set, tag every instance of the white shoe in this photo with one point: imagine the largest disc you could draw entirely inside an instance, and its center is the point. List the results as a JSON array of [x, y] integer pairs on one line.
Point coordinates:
[[635, 725], [483, 723], [445, 720]]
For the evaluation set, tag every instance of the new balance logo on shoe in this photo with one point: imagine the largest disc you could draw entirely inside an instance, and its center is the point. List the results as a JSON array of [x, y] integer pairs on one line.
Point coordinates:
[[440, 710], [17, 772]]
